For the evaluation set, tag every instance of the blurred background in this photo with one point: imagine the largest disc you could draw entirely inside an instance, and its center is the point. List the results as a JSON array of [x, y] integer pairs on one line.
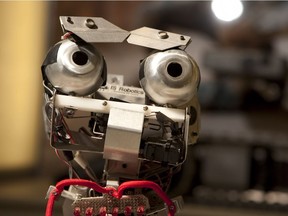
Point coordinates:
[[240, 164]]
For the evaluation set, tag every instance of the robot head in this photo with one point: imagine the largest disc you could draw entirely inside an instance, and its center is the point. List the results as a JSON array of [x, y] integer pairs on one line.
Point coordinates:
[[130, 133]]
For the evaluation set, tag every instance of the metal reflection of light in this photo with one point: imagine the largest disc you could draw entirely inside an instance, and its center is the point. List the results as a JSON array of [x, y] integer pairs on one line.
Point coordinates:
[[227, 10]]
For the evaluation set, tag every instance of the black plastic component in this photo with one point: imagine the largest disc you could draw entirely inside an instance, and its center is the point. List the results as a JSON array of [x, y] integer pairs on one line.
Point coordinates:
[[164, 151]]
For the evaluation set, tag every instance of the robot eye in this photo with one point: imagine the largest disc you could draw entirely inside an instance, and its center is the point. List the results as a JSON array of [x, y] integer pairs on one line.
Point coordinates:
[[169, 77], [74, 68], [174, 69], [80, 58]]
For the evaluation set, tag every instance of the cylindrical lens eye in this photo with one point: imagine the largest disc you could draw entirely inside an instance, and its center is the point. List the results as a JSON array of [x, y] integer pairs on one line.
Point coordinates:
[[169, 77], [174, 69], [80, 58], [77, 69]]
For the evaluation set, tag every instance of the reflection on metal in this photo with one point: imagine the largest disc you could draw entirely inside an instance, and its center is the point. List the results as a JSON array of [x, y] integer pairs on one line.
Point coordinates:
[[77, 69], [157, 39], [99, 30], [123, 135], [170, 77], [93, 29], [129, 133]]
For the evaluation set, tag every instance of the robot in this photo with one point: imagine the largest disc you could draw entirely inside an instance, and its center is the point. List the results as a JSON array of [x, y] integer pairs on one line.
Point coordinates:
[[134, 139]]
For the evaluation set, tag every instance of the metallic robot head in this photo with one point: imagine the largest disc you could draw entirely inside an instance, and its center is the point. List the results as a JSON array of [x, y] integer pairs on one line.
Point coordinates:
[[126, 137]]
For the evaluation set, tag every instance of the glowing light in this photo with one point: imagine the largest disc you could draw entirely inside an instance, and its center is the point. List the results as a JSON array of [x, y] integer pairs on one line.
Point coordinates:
[[227, 10]]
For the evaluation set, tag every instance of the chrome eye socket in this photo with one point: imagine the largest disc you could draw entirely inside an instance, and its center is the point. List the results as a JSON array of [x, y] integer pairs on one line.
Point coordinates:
[[80, 58], [174, 69], [77, 69], [169, 77]]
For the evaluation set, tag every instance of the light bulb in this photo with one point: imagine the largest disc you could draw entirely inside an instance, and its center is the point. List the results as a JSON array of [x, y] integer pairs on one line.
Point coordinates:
[[227, 10]]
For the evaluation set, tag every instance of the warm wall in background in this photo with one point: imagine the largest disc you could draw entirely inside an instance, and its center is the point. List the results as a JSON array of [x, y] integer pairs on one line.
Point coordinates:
[[22, 47]]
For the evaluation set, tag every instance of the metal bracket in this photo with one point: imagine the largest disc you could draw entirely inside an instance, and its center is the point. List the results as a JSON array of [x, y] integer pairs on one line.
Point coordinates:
[[93, 29], [123, 135], [99, 30], [157, 39]]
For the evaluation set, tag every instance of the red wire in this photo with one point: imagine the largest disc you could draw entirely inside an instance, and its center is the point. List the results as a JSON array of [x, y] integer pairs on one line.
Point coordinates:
[[50, 203], [112, 191], [81, 182], [147, 184], [67, 35]]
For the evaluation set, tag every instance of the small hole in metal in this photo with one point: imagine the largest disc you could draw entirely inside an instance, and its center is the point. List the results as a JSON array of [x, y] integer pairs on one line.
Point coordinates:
[[174, 69], [80, 58], [69, 20], [91, 24]]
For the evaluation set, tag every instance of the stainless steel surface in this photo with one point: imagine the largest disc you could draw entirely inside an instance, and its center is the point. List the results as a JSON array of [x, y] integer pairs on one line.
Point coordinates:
[[117, 127], [99, 30], [123, 135], [157, 39], [125, 93], [122, 143], [78, 69], [97, 106], [93, 29], [170, 77]]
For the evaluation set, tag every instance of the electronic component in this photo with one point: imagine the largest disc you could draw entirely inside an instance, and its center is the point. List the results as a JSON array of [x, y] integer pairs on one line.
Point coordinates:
[[137, 137]]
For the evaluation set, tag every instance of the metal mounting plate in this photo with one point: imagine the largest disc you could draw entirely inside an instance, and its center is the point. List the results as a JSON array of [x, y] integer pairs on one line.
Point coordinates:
[[157, 39], [123, 135], [93, 29]]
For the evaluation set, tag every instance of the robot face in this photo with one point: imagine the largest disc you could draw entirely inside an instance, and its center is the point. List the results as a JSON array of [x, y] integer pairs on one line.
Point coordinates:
[[135, 133]]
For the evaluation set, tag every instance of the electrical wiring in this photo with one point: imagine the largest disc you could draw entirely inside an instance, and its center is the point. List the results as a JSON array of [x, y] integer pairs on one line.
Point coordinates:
[[151, 185], [108, 190], [72, 141], [72, 171], [61, 158]]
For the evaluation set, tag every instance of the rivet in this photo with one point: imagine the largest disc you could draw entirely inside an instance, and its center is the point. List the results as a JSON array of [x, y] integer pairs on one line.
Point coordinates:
[[90, 24], [163, 34], [69, 20]]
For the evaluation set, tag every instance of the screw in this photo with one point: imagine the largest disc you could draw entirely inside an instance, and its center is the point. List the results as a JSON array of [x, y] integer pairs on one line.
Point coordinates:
[[104, 103], [163, 34], [145, 108], [69, 112], [69, 20], [182, 37], [90, 24]]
